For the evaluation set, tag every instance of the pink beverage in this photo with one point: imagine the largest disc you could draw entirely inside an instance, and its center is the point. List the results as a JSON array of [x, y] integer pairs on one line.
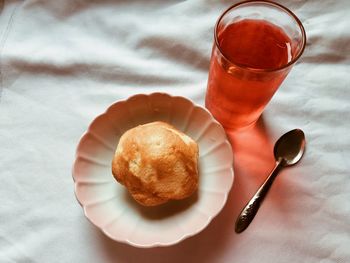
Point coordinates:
[[250, 59]]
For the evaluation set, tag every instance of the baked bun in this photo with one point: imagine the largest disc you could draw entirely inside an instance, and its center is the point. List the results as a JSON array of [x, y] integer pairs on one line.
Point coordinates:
[[156, 163]]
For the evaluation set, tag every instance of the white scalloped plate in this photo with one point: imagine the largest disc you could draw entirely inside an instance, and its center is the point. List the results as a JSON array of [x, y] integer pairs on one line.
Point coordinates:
[[108, 205]]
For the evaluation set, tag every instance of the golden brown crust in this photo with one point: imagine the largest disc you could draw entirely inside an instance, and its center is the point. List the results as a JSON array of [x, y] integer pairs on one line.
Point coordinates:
[[156, 163]]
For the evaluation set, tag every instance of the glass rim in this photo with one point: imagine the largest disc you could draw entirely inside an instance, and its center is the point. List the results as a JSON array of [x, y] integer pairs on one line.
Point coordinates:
[[267, 2]]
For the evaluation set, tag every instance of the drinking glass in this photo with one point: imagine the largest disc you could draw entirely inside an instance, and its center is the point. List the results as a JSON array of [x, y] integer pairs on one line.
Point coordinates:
[[245, 69]]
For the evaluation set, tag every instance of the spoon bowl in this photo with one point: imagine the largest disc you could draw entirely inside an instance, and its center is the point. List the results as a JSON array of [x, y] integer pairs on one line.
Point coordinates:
[[290, 147]]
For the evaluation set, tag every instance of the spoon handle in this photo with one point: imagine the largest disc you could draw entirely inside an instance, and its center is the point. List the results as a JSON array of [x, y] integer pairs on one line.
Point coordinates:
[[249, 211]]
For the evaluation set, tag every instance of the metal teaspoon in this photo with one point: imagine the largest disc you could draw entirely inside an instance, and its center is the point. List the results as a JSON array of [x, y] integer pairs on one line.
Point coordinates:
[[288, 150]]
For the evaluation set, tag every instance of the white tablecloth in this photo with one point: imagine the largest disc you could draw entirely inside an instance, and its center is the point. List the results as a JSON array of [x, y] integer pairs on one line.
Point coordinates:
[[63, 62]]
